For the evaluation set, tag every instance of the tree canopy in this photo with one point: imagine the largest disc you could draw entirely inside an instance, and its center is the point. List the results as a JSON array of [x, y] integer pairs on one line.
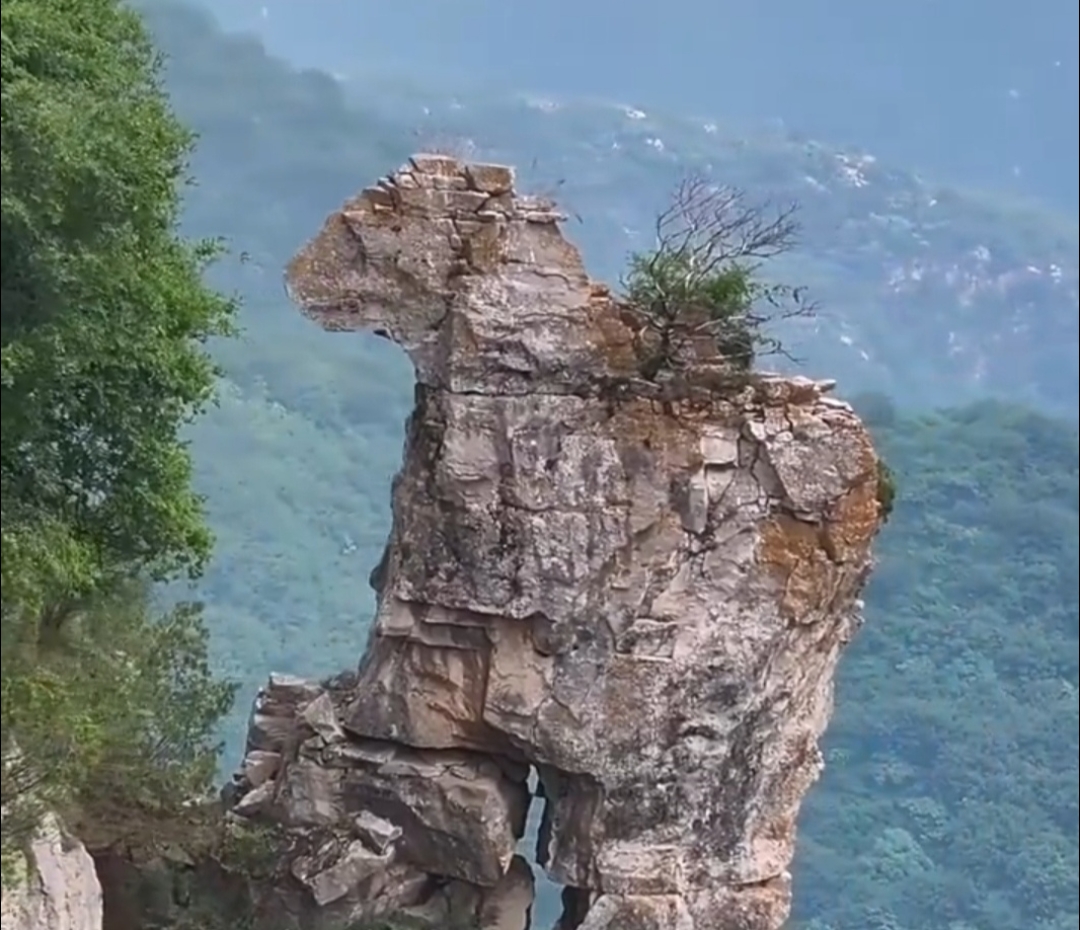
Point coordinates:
[[105, 318]]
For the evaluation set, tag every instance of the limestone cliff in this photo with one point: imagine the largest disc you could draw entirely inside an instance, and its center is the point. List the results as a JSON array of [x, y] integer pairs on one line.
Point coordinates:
[[56, 886], [640, 590]]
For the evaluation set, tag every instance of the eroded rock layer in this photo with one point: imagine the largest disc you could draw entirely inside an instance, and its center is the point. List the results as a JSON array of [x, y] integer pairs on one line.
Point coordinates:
[[641, 589]]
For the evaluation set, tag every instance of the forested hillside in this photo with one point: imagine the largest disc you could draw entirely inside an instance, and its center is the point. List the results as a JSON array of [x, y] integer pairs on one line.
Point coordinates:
[[989, 98], [950, 799]]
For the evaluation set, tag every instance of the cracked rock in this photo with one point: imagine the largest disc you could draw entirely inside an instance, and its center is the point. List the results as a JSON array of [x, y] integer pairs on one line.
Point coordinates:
[[640, 590]]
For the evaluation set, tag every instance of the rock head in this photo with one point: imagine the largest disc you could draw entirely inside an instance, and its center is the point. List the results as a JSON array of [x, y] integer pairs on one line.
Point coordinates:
[[638, 590]]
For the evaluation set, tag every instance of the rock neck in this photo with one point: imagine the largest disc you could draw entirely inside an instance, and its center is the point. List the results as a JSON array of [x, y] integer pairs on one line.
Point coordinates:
[[640, 590]]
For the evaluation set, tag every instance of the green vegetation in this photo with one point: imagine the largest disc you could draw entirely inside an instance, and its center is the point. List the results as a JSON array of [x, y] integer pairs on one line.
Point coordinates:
[[886, 495], [949, 800], [702, 281], [677, 307], [104, 315]]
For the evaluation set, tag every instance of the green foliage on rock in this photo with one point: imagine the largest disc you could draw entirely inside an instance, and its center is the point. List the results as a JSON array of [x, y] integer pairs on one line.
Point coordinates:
[[104, 317], [886, 493], [701, 282], [676, 309]]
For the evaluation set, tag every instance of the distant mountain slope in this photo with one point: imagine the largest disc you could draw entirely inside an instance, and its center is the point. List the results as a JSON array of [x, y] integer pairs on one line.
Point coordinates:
[[949, 796], [929, 292], [983, 90]]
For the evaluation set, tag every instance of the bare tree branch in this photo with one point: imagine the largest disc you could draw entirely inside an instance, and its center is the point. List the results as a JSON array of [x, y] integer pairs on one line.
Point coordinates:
[[713, 224], [701, 278]]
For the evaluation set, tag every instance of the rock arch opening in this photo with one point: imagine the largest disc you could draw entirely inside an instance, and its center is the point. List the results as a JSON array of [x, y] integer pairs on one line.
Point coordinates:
[[549, 906]]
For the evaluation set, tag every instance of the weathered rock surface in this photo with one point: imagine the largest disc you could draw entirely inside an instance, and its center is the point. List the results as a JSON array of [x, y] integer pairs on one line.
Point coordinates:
[[640, 589], [59, 888]]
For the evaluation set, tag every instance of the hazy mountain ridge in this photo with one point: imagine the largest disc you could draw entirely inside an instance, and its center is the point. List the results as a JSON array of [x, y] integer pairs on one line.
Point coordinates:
[[981, 292], [297, 460], [983, 92], [929, 292]]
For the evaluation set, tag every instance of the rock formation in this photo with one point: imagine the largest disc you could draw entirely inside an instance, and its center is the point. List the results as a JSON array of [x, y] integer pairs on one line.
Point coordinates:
[[638, 590], [58, 888]]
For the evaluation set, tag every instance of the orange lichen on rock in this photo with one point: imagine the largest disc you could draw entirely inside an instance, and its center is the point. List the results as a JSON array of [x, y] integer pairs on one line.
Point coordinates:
[[797, 551]]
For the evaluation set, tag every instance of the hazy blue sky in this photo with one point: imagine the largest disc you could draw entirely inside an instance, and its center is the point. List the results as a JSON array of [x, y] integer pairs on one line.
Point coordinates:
[[983, 91]]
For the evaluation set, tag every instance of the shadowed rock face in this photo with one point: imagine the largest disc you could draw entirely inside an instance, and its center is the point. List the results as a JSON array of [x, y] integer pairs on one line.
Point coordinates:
[[642, 590]]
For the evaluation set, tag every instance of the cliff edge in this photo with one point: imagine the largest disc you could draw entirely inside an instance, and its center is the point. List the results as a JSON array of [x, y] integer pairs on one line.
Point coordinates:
[[54, 886], [637, 590]]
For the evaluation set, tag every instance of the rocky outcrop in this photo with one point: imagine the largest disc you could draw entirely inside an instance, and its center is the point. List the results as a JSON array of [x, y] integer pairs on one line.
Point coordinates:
[[55, 887], [638, 589]]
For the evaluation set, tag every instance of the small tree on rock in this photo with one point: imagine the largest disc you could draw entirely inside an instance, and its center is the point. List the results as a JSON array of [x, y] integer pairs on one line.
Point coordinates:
[[700, 284]]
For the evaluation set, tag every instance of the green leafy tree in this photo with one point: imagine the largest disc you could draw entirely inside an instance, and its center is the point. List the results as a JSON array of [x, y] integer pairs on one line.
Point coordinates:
[[118, 708], [104, 322], [700, 282]]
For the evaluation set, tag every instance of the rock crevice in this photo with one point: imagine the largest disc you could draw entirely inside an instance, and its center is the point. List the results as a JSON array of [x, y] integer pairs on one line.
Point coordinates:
[[639, 589]]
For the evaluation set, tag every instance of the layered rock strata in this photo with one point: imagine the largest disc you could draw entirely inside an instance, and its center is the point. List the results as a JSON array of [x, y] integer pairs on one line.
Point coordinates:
[[638, 589]]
